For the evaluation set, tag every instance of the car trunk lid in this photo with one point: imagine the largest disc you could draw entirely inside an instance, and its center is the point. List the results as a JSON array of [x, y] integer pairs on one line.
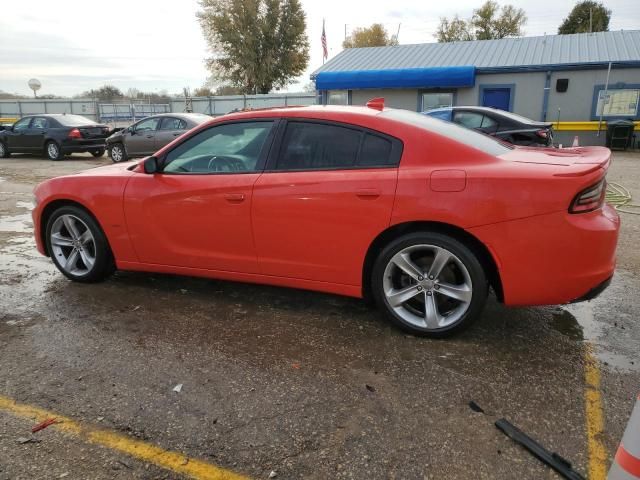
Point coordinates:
[[94, 131], [576, 161]]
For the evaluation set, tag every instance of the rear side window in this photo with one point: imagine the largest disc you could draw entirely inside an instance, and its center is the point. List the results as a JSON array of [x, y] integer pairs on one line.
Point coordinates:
[[455, 132], [315, 146], [376, 151], [170, 123], [468, 119]]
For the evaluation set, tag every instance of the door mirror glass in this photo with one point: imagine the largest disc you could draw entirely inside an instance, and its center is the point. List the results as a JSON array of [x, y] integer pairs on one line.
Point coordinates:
[[151, 165]]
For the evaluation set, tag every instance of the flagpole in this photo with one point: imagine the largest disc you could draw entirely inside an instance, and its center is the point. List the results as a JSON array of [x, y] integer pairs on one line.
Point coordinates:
[[324, 35]]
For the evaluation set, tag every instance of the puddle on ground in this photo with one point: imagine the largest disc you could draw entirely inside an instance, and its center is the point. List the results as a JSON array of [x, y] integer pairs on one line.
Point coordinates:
[[17, 223], [565, 323]]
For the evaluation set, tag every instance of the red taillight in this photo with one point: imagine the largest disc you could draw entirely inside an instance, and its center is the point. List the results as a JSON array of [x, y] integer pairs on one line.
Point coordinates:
[[590, 198], [75, 133], [542, 133]]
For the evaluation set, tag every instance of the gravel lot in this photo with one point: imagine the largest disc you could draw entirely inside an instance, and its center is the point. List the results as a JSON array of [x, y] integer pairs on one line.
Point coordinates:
[[304, 384]]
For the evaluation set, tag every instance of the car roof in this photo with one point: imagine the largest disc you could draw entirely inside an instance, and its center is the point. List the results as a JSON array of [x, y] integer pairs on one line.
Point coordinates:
[[335, 112]]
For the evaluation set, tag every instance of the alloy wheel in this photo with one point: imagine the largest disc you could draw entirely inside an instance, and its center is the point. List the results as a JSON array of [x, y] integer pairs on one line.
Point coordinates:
[[73, 245], [116, 153], [427, 286], [52, 150]]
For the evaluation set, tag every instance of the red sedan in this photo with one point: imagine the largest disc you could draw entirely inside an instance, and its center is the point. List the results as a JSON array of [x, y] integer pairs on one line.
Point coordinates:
[[418, 214]]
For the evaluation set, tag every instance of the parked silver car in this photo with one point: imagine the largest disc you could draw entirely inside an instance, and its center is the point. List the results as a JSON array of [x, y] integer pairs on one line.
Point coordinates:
[[151, 134]]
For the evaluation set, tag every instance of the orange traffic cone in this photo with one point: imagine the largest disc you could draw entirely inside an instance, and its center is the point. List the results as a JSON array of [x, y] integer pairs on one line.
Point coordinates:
[[626, 465], [575, 142]]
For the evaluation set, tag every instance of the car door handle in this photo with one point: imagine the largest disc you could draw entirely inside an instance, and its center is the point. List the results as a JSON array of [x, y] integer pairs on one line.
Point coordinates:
[[176, 134], [368, 193], [149, 136], [234, 197]]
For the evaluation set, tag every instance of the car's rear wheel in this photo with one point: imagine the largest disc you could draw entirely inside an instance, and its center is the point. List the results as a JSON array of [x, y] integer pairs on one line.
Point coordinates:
[[429, 284], [53, 151], [78, 246], [97, 153], [117, 153], [4, 151]]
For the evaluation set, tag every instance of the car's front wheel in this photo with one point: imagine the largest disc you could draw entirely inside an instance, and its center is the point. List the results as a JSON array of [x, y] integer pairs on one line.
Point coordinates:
[[4, 151], [53, 151], [117, 153], [97, 153], [429, 284], [78, 246]]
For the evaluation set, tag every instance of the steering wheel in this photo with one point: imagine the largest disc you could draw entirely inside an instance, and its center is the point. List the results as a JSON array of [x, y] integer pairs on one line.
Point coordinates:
[[218, 164]]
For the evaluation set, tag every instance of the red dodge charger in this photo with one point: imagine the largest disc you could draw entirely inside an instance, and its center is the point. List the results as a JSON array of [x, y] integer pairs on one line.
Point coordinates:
[[420, 215]]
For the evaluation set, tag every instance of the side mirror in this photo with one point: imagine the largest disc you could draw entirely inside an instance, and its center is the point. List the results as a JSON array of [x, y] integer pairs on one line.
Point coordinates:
[[151, 165], [131, 130]]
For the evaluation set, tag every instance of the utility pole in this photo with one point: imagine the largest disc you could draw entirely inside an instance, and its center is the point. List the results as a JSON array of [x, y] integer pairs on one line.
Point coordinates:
[[345, 31], [591, 20], [398, 33]]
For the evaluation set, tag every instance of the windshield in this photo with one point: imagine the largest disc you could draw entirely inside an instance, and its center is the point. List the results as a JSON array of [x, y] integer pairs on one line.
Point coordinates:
[[74, 120], [473, 139]]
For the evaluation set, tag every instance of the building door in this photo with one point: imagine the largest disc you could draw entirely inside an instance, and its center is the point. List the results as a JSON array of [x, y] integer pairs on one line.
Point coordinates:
[[496, 98]]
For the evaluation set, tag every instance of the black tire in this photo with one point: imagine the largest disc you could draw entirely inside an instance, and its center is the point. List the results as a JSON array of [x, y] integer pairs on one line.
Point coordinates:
[[120, 153], [97, 153], [4, 151], [104, 264], [476, 276], [53, 151]]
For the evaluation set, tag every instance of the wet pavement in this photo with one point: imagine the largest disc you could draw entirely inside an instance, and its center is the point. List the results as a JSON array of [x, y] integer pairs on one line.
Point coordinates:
[[304, 384]]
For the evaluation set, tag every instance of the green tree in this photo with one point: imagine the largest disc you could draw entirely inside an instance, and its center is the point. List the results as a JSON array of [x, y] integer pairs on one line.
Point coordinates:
[[586, 16], [374, 36], [104, 93], [454, 30], [257, 45], [488, 22]]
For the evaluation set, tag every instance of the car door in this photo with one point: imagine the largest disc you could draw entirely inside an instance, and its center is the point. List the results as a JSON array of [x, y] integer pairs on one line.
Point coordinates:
[[196, 212], [17, 136], [328, 191], [140, 140], [169, 129], [35, 134]]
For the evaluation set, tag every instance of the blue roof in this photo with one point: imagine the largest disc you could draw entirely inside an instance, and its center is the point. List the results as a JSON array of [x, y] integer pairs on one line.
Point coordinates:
[[434, 77], [579, 50]]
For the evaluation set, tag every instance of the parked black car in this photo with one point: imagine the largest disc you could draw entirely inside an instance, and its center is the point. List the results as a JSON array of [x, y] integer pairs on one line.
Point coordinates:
[[506, 126], [54, 136]]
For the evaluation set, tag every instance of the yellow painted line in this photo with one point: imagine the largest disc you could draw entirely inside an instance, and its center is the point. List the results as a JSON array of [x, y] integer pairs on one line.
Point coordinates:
[[582, 126], [174, 461], [598, 457]]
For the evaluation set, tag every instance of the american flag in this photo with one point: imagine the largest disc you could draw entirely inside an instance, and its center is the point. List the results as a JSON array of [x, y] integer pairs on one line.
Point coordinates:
[[325, 52]]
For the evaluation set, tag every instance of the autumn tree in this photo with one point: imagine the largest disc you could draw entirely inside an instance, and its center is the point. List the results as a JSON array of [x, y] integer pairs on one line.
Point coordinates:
[[374, 36], [586, 16], [488, 22], [257, 45], [104, 93]]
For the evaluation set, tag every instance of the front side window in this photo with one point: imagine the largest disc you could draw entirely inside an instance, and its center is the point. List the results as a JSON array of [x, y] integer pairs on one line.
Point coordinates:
[[22, 124], [436, 100], [316, 146], [170, 123], [147, 125], [229, 148], [618, 102]]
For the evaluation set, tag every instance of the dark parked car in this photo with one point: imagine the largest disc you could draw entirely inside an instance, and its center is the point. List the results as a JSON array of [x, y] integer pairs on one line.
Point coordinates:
[[151, 134], [54, 136], [506, 126]]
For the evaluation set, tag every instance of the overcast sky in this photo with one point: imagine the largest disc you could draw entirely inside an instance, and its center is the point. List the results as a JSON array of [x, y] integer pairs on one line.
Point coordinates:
[[75, 45]]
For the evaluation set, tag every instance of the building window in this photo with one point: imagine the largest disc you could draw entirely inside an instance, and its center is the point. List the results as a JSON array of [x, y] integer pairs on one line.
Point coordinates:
[[338, 97], [618, 103], [436, 100]]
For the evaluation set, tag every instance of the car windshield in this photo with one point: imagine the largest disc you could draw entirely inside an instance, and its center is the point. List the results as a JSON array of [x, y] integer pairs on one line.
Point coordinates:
[[450, 130], [74, 120]]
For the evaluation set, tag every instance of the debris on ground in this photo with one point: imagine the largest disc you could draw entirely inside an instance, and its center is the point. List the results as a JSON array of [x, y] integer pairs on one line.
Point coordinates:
[[296, 366], [370, 388], [273, 474], [475, 407], [555, 461], [177, 388], [23, 440], [42, 425]]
